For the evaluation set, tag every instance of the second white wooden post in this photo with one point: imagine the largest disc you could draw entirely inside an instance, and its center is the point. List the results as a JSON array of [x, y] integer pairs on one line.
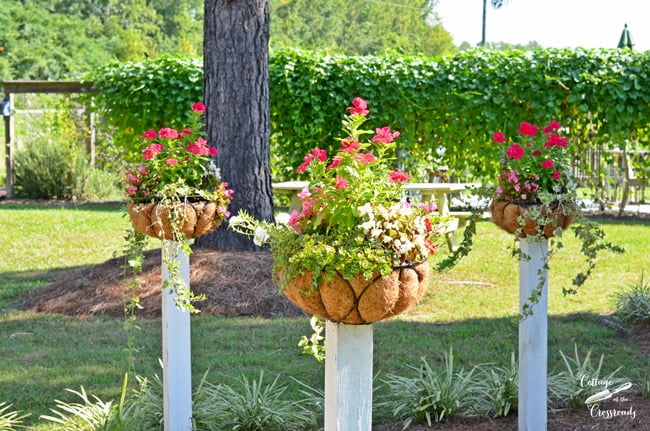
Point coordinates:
[[177, 368], [348, 377], [533, 340]]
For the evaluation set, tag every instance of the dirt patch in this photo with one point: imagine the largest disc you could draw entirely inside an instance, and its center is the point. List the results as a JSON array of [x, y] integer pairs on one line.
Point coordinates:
[[234, 283]]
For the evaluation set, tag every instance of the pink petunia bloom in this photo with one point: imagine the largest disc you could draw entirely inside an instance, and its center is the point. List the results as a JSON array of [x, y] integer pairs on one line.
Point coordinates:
[[304, 193], [384, 135], [186, 131], [515, 152], [556, 175], [547, 164], [359, 107], [499, 137], [512, 177], [212, 151], [132, 178], [350, 145], [168, 133], [553, 125], [527, 129], [198, 107], [131, 189], [554, 140], [398, 176], [171, 161], [523, 196], [142, 170], [223, 210], [336, 161], [149, 134], [365, 157], [341, 183], [308, 207], [499, 191]]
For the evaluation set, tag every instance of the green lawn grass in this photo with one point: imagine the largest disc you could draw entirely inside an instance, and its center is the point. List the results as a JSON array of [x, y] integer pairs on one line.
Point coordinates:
[[44, 354]]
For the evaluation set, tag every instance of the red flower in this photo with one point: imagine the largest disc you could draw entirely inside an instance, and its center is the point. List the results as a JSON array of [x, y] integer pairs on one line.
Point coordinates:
[[364, 157], [151, 151], [429, 245], [149, 134], [359, 107], [556, 175], [307, 161], [186, 131], [168, 133], [212, 151], [427, 224], [547, 164], [321, 154], [350, 145], [340, 183], [198, 107], [537, 152], [171, 162], [515, 152], [553, 125], [555, 140], [384, 135], [398, 176], [336, 161], [499, 137], [527, 129]]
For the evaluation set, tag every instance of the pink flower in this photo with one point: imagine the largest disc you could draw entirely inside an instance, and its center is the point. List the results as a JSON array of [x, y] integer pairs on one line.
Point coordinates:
[[198, 107], [341, 183], [553, 125], [555, 140], [131, 189], [223, 210], [556, 175], [359, 107], [142, 170], [149, 152], [537, 152], [365, 157], [149, 134], [499, 137], [512, 177], [527, 129], [168, 133], [304, 194], [515, 152], [499, 191], [350, 145], [523, 196], [212, 151], [307, 161], [398, 176], [294, 218], [186, 131], [547, 164], [320, 154], [336, 161], [308, 207], [171, 162], [132, 178], [384, 135]]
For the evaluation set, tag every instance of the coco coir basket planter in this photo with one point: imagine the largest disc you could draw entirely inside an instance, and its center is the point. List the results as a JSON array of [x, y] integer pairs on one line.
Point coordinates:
[[360, 301], [505, 214], [155, 219]]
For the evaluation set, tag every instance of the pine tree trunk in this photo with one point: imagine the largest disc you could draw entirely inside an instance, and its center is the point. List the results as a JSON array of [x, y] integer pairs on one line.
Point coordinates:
[[236, 93]]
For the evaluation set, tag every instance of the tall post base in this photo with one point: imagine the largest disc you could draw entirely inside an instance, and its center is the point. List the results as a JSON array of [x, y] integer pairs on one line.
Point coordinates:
[[533, 340], [177, 368], [348, 377]]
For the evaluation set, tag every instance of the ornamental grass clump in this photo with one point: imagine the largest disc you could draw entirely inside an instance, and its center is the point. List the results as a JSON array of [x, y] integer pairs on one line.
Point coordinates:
[[354, 226]]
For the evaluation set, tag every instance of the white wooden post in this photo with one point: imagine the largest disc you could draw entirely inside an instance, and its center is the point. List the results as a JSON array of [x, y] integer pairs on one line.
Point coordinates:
[[533, 340], [348, 377], [177, 368]]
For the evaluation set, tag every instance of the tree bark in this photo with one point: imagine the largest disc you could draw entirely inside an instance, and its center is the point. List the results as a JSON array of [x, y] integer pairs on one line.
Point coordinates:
[[236, 93]]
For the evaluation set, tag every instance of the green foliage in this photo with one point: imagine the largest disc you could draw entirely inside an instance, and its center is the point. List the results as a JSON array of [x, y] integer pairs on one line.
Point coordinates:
[[432, 396], [10, 420], [315, 344], [359, 28], [633, 304], [499, 386]]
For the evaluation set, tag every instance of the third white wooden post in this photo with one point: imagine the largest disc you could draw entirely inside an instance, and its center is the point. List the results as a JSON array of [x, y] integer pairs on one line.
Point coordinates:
[[348, 377], [533, 340], [177, 368]]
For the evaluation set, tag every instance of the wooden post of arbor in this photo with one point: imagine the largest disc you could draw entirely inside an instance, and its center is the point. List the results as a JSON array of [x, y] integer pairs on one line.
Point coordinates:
[[177, 368], [348, 377], [533, 339]]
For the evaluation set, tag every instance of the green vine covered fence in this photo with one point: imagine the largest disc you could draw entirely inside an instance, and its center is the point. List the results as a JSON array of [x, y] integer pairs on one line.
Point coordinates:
[[446, 108]]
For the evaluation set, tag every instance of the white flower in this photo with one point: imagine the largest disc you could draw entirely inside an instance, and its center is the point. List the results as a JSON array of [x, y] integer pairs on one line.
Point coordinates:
[[376, 232], [235, 220], [261, 236], [370, 224], [366, 210], [406, 247]]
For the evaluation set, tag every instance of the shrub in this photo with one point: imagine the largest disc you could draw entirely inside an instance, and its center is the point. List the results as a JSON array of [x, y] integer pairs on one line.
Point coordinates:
[[633, 304], [10, 420], [499, 387], [432, 396]]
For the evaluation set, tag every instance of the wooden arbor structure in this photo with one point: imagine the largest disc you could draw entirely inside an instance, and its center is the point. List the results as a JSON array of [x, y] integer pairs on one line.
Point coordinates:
[[21, 87]]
